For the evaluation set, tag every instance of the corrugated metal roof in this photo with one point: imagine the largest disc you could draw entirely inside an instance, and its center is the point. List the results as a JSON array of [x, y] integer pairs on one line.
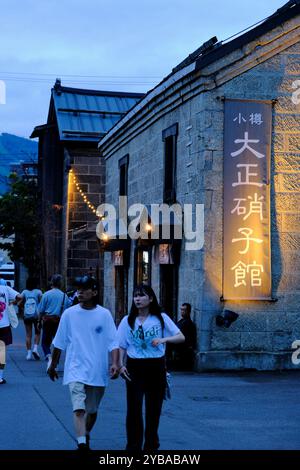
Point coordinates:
[[87, 115]]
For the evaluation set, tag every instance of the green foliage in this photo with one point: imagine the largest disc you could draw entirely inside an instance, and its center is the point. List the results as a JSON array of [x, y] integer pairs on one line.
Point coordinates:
[[19, 216]]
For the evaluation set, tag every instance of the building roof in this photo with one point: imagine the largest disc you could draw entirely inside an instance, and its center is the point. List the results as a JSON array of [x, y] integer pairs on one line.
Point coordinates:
[[86, 115], [286, 12], [209, 52]]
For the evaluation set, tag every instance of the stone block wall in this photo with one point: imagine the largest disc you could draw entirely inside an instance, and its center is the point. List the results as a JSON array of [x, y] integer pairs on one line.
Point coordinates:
[[262, 336], [268, 327], [83, 251]]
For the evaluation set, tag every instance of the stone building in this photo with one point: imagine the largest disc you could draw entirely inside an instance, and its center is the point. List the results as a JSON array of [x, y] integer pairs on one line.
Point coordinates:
[[171, 148], [71, 176]]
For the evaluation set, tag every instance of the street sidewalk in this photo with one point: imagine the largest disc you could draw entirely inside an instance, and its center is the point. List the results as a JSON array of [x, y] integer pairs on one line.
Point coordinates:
[[250, 410]]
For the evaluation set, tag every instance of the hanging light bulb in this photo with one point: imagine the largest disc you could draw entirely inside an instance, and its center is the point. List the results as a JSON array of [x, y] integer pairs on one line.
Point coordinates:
[[84, 197]]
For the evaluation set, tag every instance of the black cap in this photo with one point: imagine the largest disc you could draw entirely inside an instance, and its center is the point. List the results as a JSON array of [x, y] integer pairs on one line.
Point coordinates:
[[86, 282]]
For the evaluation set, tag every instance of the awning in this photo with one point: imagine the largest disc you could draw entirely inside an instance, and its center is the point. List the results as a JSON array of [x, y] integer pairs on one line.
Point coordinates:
[[159, 224], [112, 235]]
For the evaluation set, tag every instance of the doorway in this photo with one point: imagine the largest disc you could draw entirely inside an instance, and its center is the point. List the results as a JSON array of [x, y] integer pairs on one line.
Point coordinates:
[[169, 289], [121, 293]]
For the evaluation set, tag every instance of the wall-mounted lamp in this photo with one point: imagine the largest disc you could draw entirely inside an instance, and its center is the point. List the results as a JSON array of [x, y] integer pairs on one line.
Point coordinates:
[[227, 318]]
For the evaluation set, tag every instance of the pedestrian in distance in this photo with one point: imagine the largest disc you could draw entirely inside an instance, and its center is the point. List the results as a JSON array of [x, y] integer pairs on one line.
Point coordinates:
[[142, 337], [51, 307], [31, 298], [184, 354], [72, 295], [88, 334], [7, 296]]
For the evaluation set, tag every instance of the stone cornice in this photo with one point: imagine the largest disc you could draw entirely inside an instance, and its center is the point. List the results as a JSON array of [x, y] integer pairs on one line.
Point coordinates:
[[188, 83]]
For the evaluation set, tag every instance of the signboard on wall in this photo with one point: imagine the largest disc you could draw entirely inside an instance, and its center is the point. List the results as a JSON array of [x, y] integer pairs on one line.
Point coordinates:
[[163, 254], [118, 259], [246, 240]]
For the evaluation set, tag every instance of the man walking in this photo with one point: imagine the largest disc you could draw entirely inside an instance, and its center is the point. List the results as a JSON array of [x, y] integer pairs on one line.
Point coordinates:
[[87, 332]]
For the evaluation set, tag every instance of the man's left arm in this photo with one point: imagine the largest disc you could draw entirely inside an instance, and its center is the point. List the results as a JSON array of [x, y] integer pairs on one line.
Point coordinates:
[[54, 361]]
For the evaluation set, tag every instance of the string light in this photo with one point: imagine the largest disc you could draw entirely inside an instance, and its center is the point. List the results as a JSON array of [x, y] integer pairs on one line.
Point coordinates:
[[84, 196]]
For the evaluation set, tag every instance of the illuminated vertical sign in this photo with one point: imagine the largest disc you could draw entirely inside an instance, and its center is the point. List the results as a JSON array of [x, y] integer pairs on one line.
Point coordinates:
[[246, 239]]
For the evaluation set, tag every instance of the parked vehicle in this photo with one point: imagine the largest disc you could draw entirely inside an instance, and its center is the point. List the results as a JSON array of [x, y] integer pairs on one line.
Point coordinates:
[[7, 272]]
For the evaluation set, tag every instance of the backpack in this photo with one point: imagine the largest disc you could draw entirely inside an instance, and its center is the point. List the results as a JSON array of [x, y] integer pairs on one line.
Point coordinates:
[[30, 308]]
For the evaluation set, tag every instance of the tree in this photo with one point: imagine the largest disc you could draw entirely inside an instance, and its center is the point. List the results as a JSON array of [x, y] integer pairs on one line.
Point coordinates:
[[19, 216]]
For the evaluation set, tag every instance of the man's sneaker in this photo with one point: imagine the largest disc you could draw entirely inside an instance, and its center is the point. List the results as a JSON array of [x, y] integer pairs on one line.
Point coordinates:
[[29, 356], [2, 381], [83, 447], [36, 355]]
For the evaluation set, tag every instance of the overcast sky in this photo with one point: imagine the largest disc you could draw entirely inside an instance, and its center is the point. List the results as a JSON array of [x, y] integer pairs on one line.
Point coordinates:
[[128, 45]]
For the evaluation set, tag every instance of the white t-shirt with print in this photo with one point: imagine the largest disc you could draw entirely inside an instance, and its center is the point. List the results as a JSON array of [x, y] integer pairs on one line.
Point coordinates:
[[7, 294], [137, 342], [87, 336]]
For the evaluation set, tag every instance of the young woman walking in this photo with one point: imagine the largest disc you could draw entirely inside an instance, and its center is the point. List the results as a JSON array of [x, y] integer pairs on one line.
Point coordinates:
[[31, 298], [142, 337]]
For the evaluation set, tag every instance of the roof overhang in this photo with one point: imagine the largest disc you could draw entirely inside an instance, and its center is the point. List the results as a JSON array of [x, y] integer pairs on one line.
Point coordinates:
[[290, 10], [39, 130], [112, 235]]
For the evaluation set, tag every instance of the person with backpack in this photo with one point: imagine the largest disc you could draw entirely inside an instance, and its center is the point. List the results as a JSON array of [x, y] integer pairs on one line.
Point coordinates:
[[51, 307], [31, 298], [2, 281]]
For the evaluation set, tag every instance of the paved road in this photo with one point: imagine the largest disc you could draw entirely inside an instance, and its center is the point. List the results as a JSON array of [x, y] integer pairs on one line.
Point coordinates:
[[251, 410]]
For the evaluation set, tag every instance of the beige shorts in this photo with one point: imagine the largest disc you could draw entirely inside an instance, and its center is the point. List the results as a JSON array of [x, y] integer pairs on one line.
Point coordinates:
[[85, 397]]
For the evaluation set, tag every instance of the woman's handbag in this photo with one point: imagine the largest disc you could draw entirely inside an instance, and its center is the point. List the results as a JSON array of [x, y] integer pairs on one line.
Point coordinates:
[[13, 319]]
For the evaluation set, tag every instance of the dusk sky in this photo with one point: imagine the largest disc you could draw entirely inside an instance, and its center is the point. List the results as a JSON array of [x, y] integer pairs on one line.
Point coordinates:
[[104, 45]]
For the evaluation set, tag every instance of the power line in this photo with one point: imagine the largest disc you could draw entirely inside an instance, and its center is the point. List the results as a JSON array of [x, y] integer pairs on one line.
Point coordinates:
[[81, 76], [77, 82], [33, 77], [246, 29]]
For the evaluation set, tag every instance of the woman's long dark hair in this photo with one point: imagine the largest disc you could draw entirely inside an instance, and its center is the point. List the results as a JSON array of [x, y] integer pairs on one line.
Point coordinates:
[[154, 308]]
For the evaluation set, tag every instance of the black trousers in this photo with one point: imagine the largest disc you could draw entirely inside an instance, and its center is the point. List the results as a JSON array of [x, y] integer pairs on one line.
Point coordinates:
[[148, 379], [50, 326]]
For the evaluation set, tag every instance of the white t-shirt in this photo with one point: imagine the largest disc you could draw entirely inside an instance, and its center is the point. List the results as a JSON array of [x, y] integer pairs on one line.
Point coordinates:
[[137, 342], [87, 336], [7, 294]]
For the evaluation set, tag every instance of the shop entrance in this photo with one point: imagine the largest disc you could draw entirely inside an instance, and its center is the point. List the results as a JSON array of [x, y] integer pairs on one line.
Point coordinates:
[[169, 289], [121, 293]]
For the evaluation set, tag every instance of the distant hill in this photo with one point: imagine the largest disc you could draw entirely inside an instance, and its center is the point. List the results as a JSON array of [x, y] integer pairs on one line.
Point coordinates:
[[13, 150]]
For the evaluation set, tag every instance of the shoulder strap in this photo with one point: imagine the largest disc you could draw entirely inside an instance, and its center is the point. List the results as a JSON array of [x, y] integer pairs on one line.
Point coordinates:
[[62, 305]]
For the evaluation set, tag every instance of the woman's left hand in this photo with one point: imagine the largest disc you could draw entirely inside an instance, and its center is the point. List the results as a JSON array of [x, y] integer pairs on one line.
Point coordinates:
[[114, 371], [157, 341]]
